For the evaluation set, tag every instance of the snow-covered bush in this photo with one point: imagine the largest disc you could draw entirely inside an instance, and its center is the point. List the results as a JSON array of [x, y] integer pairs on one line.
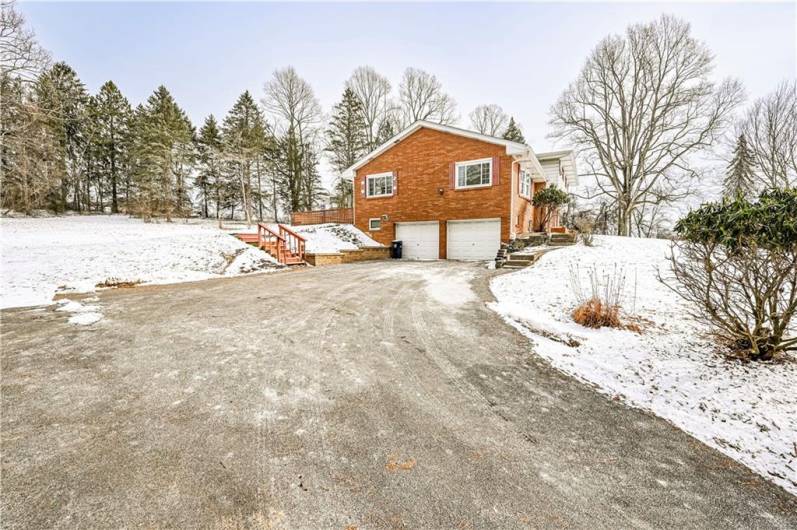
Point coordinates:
[[735, 262]]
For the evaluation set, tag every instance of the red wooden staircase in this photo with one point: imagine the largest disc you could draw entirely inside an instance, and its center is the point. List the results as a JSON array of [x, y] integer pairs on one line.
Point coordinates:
[[285, 245]]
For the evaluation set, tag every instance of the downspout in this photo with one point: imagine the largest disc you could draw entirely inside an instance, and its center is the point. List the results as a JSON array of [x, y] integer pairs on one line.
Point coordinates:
[[512, 232]]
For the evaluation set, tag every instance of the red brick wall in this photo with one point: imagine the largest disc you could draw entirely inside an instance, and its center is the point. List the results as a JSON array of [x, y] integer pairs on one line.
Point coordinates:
[[422, 161], [522, 209]]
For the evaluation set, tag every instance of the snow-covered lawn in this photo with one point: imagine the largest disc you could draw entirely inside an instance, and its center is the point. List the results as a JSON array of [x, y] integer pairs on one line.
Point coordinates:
[[43, 255], [332, 237], [747, 411], [325, 238]]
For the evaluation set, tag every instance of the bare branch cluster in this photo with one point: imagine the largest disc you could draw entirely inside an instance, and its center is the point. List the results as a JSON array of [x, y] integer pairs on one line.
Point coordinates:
[[421, 97], [642, 104], [770, 127], [20, 54], [489, 119]]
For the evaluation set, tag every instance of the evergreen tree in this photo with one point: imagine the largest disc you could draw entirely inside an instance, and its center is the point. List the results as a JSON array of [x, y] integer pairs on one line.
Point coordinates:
[[346, 142], [740, 179], [244, 138], [113, 122], [163, 154], [513, 132], [62, 98], [210, 180]]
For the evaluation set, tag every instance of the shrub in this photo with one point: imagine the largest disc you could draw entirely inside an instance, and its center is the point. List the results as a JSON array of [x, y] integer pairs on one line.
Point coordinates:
[[736, 265], [585, 225], [549, 199], [601, 305], [595, 313]]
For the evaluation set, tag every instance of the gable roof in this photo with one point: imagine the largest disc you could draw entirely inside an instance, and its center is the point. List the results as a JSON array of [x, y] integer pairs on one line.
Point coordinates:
[[512, 148]]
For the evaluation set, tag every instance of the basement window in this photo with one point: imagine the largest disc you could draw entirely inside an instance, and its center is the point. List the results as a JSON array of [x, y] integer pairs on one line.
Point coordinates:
[[374, 224], [475, 173]]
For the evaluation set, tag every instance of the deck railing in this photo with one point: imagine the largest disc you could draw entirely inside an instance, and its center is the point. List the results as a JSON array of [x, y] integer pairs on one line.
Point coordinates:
[[294, 243], [271, 242], [315, 217]]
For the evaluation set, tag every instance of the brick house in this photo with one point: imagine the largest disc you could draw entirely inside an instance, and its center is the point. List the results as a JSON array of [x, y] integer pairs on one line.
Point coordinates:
[[452, 193]]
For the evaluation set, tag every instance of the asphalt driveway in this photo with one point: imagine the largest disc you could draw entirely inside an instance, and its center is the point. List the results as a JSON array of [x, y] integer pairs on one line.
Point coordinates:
[[374, 395]]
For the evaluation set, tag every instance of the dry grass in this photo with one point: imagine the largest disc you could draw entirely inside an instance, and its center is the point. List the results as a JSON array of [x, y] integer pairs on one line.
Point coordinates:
[[601, 305], [117, 283], [594, 313]]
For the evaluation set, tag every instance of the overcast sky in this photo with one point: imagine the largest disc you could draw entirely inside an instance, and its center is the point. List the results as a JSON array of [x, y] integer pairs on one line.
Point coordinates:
[[520, 56]]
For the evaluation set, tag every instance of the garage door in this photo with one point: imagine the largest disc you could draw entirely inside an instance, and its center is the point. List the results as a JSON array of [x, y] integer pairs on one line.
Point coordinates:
[[421, 240], [474, 239]]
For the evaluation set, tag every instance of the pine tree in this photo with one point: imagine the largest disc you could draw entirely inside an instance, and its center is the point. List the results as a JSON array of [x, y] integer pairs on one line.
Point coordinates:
[[62, 98], [740, 179], [210, 176], [163, 155], [513, 132], [113, 117], [346, 142], [245, 142]]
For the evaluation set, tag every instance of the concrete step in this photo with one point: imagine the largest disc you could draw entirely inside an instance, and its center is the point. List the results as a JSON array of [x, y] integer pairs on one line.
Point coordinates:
[[516, 264], [522, 257]]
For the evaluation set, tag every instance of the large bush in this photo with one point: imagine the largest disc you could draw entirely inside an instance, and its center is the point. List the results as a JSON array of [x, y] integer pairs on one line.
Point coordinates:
[[735, 262], [549, 199]]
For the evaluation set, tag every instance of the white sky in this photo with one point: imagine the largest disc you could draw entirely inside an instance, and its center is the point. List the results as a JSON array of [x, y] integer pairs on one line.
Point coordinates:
[[520, 55]]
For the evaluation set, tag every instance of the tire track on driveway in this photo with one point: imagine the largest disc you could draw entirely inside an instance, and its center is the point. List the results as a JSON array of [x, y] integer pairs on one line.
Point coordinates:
[[325, 373]]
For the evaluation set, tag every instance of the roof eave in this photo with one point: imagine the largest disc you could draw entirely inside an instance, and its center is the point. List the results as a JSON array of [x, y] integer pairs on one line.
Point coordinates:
[[512, 148]]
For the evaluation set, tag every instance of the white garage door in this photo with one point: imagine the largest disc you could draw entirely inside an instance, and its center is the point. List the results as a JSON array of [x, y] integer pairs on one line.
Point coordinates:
[[420, 240], [474, 239]]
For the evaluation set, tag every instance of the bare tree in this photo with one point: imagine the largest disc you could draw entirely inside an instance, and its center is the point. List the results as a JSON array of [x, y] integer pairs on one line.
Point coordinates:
[[22, 60], [373, 92], [297, 115], [20, 53], [421, 97], [489, 119], [770, 127], [642, 104]]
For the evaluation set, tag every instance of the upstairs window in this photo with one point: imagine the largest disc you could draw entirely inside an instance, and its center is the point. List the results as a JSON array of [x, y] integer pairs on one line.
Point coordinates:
[[475, 173], [525, 184], [380, 185]]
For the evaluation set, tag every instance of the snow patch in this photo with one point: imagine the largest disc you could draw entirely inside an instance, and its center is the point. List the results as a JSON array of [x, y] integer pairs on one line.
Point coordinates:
[[83, 315], [451, 288], [85, 319], [332, 237], [325, 238], [41, 256], [747, 411]]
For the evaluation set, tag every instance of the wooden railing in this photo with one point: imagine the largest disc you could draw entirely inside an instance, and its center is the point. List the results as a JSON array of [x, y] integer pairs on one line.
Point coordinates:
[[315, 217], [285, 245], [294, 243]]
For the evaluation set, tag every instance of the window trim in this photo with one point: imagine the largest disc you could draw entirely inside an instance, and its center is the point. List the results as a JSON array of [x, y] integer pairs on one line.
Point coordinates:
[[527, 174], [376, 176], [370, 225], [472, 163]]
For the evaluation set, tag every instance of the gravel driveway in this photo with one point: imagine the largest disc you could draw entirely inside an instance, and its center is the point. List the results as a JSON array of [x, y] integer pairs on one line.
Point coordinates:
[[373, 395]]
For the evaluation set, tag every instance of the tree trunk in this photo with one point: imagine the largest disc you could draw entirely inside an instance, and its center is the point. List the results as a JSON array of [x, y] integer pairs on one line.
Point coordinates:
[[114, 198]]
